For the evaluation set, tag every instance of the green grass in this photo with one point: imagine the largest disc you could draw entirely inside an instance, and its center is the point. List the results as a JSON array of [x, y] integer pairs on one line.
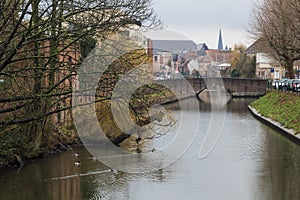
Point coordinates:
[[282, 107]]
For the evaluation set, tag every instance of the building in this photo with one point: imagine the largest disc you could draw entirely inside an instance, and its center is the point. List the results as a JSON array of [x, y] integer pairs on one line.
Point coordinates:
[[201, 49], [297, 69], [138, 37], [188, 58], [172, 56], [214, 62], [174, 46], [266, 66], [58, 81]]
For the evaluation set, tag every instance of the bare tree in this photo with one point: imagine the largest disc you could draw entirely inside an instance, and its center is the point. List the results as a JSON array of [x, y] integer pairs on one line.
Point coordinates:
[[40, 53], [276, 24]]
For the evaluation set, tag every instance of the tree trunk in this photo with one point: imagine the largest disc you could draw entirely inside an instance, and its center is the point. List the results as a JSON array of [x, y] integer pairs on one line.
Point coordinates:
[[289, 69], [37, 133]]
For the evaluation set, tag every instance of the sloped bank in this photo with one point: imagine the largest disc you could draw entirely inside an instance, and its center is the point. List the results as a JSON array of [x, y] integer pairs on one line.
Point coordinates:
[[281, 111], [16, 150]]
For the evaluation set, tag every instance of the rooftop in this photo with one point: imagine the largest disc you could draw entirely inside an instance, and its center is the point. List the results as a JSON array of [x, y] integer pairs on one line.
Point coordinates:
[[175, 46]]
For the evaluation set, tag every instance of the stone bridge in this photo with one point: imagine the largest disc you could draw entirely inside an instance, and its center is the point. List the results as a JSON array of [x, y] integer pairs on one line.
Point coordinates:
[[237, 87]]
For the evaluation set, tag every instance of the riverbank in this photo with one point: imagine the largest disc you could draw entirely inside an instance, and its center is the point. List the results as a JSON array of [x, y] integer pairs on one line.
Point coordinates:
[[281, 111], [16, 150]]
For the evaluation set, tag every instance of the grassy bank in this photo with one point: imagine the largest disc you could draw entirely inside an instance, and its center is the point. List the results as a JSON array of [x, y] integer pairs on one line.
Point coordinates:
[[282, 107]]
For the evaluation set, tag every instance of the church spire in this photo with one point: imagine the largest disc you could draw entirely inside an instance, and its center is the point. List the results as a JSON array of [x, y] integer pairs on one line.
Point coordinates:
[[220, 42]]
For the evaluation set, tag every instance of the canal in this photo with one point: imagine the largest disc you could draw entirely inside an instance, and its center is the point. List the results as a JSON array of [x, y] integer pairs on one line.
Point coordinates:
[[250, 161]]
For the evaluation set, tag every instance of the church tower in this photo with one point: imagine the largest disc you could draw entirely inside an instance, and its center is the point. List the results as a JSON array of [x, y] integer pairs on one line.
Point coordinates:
[[220, 42]]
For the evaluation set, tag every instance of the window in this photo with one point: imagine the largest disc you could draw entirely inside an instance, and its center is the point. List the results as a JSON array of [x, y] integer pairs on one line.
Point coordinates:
[[276, 75]]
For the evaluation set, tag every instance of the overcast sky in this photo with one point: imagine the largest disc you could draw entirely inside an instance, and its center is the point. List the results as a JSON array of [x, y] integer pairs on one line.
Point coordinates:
[[200, 20]]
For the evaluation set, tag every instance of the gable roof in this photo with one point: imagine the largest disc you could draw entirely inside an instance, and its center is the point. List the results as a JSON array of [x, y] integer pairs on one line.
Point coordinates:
[[218, 56], [259, 46], [202, 48]]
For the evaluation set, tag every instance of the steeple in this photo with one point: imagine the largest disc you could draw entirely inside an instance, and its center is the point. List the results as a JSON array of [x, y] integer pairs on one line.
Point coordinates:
[[220, 42]]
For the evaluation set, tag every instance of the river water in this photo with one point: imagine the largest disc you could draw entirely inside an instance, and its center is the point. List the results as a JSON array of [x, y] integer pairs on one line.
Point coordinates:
[[250, 161]]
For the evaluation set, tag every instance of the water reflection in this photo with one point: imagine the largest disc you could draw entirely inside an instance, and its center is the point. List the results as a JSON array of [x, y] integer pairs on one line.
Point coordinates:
[[279, 169], [251, 161], [47, 178]]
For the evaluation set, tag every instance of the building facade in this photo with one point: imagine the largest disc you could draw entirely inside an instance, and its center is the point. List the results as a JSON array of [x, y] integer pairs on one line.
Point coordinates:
[[266, 66]]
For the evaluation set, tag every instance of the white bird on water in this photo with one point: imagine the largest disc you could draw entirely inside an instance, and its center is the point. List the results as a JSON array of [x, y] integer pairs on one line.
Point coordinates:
[[76, 154], [77, 163]]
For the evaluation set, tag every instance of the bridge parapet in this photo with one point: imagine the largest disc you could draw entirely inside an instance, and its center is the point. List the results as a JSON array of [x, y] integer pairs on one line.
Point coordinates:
[[237, 87]]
